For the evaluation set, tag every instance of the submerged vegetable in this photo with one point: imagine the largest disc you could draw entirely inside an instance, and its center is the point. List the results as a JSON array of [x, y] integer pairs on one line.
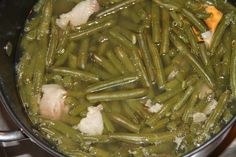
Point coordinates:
[[129, 78]]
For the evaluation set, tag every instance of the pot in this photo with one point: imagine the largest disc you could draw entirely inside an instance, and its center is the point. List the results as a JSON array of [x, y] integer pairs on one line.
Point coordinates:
[[12, 16]]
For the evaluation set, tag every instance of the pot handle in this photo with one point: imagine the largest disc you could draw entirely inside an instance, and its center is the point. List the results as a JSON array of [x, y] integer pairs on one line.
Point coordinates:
[[6, 136]]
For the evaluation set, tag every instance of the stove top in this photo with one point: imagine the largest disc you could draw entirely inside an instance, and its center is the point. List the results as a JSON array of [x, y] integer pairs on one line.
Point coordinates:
[[27, 148]]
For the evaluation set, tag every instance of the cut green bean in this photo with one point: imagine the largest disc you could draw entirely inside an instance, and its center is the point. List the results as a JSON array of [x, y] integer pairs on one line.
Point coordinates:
[[197, 23], [217, 36], [84, 76], [111, 83], [117, 7], [157, 62], [83, 53], [156, 23], [124, 122], [88, 32], [184, 99], [146, 56], [124, 58], [106, 64], [117, 95], [165, 41], [116, 62], [144, 138]]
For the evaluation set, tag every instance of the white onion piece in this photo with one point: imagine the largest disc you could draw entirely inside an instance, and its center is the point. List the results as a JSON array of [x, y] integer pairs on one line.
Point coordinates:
[[153, 108], [210, 107], [79, 14], [92, 124], [207, 38], [205, 91], [51, 105], [199, 117]]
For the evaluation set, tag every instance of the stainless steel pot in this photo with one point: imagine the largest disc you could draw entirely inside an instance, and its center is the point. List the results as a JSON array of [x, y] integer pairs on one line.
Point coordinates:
[[12, 16]]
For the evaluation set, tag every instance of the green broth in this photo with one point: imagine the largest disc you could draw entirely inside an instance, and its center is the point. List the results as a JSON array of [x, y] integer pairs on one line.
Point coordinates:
[[128, 56]]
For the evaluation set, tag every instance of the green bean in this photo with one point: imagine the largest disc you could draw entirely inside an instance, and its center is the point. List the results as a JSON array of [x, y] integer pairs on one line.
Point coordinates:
[[108, 124], [130, 113], [89, 31], [106, 64], [124, 122], [142, 72], [84, 76], [178, 19], [71, 48], [121, 39], [131, 15], [157, 62], [172, 84], [170, 5], [203, 54], [217, 113], [197, 23], [127, 33], [64, 144], [227, 41], [144, 138], [166, 95], [52, 44], [64, 129], [83, 53], [99, 72], [156, 23], [203, 15], [45, 21], [121, 54], [71, 120], [99, 152], [40, 64], [71, 101], [180, 33], [190, 106], [97, 139], [184, 99], [233, 71], [192, 39], [62, 59], [195, 63], [130, 25], [115, 82], [169, 105], [138, 108], [72, 61], [117, 7], [165, 43], [164, 110], [146, 56], [159, 125], [102, 48], [30, 99], [79, 107], [116, 62], [117, 95], [76, 93], [63, 41], [217, 36], [94, 22]]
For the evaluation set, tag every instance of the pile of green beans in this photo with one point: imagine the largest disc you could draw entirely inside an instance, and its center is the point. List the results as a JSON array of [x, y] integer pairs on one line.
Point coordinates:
[[128, 56]]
